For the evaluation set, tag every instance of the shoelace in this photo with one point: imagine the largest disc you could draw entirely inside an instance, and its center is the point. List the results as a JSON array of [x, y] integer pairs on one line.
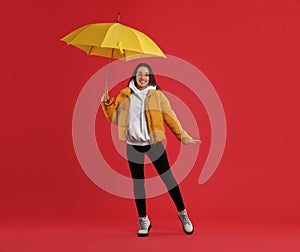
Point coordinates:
[[142, 224], [185, 219]]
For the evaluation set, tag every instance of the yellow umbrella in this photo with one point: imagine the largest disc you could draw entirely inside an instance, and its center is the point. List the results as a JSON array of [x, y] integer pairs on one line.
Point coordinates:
[[113, 40]]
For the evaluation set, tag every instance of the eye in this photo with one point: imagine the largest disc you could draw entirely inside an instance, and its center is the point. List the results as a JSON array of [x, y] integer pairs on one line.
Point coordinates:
[[141, 74]]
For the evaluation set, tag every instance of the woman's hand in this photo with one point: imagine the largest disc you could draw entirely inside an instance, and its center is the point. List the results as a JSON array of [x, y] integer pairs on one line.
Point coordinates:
[[105, 98]]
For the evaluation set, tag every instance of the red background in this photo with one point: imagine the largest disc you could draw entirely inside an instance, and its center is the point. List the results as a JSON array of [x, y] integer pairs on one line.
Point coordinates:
[[249, 50]]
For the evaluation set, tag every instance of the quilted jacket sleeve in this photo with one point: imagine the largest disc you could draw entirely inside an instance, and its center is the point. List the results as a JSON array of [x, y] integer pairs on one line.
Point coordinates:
[[109, 110], [172, 121]]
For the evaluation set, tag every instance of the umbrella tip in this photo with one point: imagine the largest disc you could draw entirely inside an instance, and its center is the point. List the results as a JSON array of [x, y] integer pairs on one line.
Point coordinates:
[[119, 16]]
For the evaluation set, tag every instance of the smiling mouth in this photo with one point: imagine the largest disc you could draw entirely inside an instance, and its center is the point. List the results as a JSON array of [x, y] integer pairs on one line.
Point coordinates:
[[143, 82]]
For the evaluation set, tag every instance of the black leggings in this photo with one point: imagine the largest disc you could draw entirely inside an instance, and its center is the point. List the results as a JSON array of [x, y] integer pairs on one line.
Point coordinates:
[[158, 157]]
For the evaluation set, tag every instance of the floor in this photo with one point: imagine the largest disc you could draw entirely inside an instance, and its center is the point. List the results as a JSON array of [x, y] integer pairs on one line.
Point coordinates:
[[115, 236]]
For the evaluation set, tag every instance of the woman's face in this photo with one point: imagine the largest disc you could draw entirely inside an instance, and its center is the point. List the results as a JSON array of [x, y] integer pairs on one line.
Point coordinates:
[[142, 77]]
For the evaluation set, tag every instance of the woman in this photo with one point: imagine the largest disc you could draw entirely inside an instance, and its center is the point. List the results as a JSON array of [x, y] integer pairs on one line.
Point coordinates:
[[140, 112]]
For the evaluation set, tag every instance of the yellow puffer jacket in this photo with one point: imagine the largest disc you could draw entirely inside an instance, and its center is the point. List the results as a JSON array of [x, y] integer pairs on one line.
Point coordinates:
[[158, 111]]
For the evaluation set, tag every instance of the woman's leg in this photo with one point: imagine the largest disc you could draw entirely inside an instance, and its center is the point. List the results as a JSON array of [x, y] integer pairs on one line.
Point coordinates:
[[158, 156], [135, 155]]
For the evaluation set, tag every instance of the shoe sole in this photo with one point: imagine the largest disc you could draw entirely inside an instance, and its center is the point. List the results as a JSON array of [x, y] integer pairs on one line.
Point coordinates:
[[145, 235], [188, 233]]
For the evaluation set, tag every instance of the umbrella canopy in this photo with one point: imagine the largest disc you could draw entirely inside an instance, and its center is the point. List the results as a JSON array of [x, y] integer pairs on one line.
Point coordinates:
[[113, 40]]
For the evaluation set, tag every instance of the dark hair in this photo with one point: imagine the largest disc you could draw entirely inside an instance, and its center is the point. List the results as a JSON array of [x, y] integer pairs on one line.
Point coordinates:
[[152, 81]]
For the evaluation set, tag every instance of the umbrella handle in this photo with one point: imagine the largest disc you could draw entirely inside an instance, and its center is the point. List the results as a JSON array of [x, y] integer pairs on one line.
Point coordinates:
[[106, 88]]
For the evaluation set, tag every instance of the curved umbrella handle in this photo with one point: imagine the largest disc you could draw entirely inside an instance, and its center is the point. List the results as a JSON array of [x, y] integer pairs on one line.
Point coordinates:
[[119, 44]]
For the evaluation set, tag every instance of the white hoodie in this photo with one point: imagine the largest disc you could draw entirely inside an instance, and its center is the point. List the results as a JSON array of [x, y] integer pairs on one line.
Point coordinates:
[[138, 133]]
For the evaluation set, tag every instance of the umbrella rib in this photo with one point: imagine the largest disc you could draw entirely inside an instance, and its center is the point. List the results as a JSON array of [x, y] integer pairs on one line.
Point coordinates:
[[139, 42], [92, 47]]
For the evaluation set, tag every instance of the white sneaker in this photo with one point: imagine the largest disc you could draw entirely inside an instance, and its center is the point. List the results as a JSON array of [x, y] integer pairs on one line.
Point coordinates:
[[144, 226], [186, 223]]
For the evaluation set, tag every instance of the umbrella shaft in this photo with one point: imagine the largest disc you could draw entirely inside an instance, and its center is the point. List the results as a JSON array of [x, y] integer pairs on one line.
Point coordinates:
[[109, 70]]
